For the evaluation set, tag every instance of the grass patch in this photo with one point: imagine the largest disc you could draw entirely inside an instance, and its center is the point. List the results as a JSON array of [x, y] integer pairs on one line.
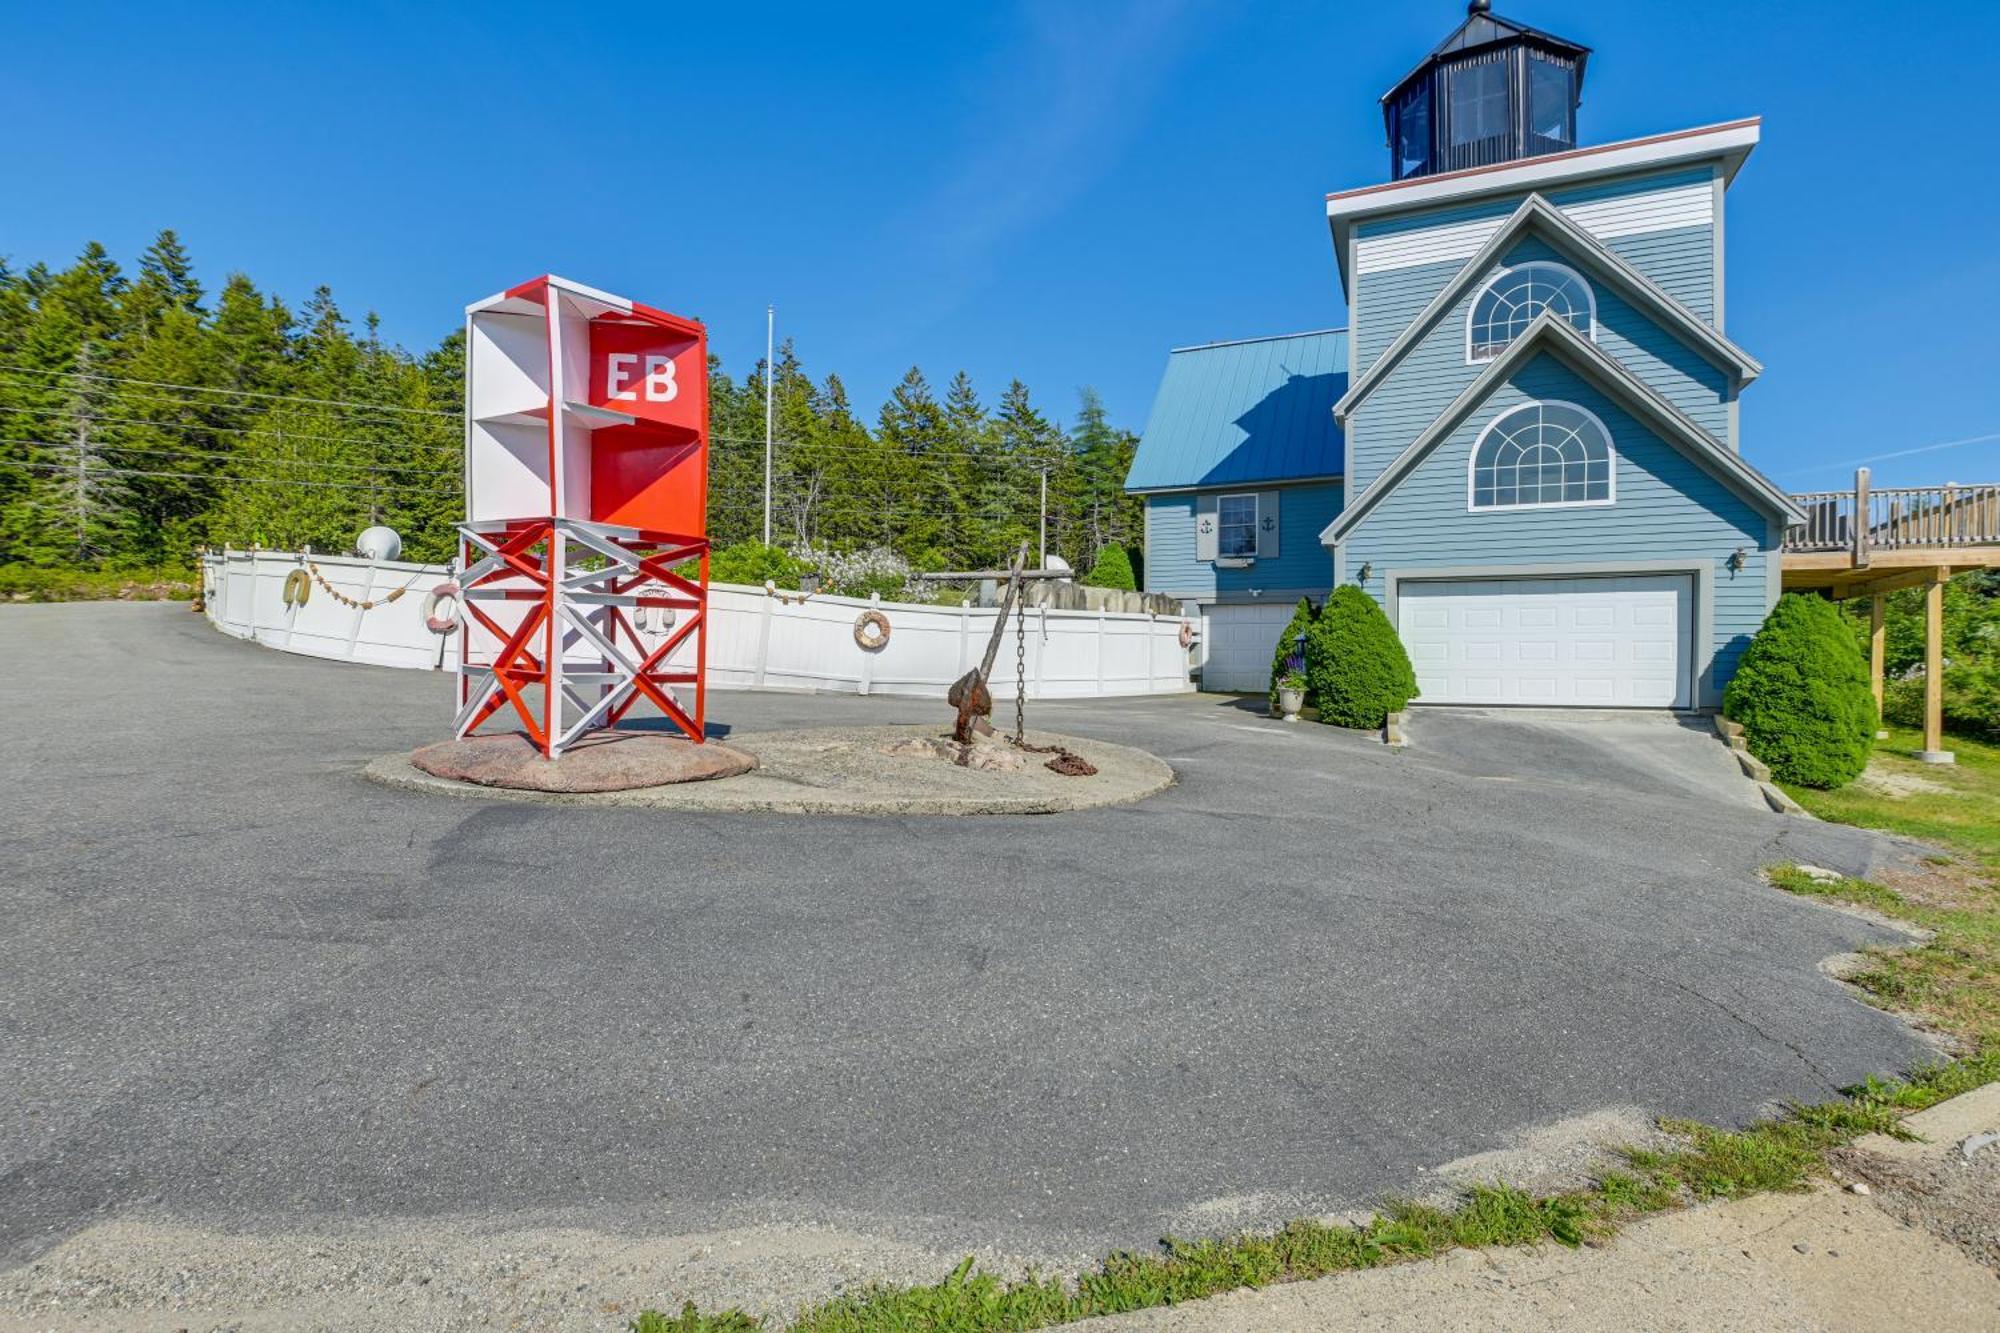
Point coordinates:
[[1700, 1163], [27, 583], [1955, 805]]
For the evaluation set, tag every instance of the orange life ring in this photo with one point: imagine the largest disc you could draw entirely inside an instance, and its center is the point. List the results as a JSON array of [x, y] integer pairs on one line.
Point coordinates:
[[1187, 635], [446, 591], [871, 631]]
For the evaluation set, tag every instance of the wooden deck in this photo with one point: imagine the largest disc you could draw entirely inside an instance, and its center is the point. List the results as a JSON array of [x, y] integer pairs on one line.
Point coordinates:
[[1868, 543]]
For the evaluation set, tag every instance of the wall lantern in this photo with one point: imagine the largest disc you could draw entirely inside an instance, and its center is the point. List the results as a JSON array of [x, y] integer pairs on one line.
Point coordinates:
[[1367, 568], [1737, 559]]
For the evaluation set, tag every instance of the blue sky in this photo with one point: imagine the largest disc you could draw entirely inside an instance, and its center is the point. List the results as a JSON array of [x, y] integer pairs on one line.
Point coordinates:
[[1059, 191]]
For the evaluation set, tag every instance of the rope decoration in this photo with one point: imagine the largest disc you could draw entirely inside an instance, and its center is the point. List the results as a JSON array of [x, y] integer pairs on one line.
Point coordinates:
[[771, 589], [356, 602]]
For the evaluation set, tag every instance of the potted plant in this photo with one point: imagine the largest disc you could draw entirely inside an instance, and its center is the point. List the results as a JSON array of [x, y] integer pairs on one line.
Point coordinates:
[[1292, 688]]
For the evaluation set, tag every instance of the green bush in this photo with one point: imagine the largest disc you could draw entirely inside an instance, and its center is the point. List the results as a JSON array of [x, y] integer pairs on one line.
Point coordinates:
[[1288, 643], [1801, 693], [752, 562], [1971, 700], [1356, 670], [1112, 570]]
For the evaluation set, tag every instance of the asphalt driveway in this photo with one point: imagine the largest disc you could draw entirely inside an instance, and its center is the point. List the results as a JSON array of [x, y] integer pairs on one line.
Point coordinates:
[[242, 987]]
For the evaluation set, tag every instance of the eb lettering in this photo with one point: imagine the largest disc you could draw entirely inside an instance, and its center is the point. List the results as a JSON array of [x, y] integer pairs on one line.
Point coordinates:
[[657, 383]]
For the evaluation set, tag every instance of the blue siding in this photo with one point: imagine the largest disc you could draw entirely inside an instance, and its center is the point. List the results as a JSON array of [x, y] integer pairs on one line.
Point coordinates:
[[1235, 413], [1435, 371], [1681, 260], [1302, 564], [1668, 506]]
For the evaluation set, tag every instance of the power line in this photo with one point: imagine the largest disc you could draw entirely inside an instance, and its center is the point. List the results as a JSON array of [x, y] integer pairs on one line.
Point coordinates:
[[1898, 453], [195, 426], [237, 393], [249, 481], [874, 446]]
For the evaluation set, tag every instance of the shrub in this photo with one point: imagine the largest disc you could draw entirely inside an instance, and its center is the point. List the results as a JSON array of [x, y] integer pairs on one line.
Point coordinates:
[[1801, 693], [1112, 570], [1356, 670], [1971, 700], [1288, 646], [752, 562], [864, 573]]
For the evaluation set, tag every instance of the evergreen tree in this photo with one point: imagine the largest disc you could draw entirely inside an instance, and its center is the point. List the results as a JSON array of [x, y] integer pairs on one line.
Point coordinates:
[[141, 418]]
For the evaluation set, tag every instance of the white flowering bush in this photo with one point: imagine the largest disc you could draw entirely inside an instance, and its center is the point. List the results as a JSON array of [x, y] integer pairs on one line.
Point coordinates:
[[874, 569]]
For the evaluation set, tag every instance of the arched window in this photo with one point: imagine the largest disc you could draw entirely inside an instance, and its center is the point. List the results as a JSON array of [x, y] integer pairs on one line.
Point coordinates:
[[1549, 453], [1512, 298]]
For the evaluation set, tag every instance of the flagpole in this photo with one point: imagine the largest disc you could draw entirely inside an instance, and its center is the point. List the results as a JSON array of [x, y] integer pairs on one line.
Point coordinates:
[[770, 333]]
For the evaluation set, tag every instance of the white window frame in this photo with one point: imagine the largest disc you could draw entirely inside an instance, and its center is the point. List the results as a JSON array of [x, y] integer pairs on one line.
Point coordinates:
[[1610, 461], [1472, 309], [1256, 517]]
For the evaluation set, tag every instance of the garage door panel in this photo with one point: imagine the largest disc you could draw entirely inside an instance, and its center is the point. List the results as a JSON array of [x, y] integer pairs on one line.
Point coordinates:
[[1566, 642], [1238, 643]]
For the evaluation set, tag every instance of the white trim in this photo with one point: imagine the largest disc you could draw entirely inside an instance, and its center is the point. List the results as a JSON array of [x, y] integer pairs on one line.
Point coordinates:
[[1267, 338], [1581, 248], [1586, 358], [1731, 142], [1226, 560], [1610, 458], [1589, 292], [1669, 208]]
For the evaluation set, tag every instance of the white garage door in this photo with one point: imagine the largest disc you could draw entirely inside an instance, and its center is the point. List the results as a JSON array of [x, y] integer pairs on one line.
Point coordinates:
[[1239, 642], [1564, 643]]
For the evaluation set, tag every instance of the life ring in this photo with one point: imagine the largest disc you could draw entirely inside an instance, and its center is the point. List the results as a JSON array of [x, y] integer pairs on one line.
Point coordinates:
[[1187, 635], [298, 587], [871, 631], [446, 591]]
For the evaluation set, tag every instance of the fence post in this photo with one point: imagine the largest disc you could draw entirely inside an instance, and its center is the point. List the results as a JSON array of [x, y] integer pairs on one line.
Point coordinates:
[[764, 639], [1861, 518], [1103, 647], [868, 658]]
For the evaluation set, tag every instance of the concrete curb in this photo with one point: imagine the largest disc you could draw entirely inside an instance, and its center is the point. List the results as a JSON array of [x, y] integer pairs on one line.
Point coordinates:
[[1393, 733], [786, 784]]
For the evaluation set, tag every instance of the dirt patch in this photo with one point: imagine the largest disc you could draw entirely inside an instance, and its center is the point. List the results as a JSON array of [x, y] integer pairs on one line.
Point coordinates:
[[1565, 1154], [1887, 782], [1952, 1198], [141, 1272], [901, 770]]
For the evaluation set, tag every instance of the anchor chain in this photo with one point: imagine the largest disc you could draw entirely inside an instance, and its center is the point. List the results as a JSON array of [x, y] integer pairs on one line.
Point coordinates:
[[1021, 672]]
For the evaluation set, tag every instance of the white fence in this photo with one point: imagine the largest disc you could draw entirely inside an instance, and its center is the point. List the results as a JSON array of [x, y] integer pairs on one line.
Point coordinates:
[[755, 640]]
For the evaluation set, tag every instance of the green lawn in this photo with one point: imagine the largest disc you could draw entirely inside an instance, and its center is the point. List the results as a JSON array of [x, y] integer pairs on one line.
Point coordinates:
[[1953, 983], [1954, 805]]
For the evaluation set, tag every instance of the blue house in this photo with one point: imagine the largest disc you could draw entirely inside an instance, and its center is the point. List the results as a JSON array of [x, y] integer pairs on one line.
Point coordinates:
[[1524, 445]]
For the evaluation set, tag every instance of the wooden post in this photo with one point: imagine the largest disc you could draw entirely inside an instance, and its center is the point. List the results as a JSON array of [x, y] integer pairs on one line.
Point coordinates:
[[1934, 751], [1876, 655], [1860, 520]]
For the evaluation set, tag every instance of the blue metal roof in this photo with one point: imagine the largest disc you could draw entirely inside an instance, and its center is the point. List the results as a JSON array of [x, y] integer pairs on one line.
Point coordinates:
[[1252, 411]]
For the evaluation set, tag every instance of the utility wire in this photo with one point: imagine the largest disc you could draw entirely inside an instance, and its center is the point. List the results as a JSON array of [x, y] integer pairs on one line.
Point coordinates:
[[250, 481]]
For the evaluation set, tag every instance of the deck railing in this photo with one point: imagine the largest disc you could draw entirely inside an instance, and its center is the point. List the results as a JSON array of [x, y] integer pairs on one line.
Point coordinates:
[[1866, 519]]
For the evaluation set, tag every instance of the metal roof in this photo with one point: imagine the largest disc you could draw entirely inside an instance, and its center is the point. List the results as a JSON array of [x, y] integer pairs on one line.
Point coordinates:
[[1483, 28], [1256, 410]]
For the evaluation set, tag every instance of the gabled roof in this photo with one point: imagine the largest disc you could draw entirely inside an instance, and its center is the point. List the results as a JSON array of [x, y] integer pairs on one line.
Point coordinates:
[[1259, 410], [1537, 216], [1558, 338]]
